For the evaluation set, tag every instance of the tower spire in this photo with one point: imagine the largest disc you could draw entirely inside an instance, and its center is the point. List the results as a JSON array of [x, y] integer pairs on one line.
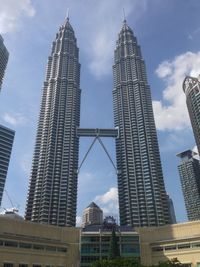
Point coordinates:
[[67, 15], [124, 15]]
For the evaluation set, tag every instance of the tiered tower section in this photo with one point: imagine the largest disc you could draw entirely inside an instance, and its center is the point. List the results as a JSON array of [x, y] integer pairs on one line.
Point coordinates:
[[52, 194], [3, 60], [142, 195]]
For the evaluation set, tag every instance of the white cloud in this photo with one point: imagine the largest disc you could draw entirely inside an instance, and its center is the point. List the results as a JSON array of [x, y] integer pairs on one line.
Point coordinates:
[[78, 221], [25, 163], [14, 119], [108, 202], [11, 13], [171, 112], [102, 28]]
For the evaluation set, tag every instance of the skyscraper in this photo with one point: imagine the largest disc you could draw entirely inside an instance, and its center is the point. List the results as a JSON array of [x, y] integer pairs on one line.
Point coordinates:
[[6, 143], [189, 171], [171, 210], [3, 59], [92, 215], [52, 193], [191, 88], [142, 195]]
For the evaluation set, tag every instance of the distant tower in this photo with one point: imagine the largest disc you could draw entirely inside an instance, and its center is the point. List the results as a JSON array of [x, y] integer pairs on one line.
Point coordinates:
[[92, 215], [6, 143], [3, 60], [189, 171], [171, 210], [52, 196], [191, 88], [142, 195]]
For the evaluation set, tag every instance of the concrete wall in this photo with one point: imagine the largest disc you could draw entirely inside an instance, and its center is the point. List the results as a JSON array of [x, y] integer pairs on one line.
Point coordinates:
[[46, 236], [167, 237]]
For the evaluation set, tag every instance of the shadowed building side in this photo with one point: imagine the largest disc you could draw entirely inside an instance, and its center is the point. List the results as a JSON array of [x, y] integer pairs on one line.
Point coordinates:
[[191, 88], [189, 171], [6, 143], [52, 197]]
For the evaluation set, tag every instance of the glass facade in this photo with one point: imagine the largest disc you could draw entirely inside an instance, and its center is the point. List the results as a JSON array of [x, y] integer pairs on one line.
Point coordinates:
[[95, 245]]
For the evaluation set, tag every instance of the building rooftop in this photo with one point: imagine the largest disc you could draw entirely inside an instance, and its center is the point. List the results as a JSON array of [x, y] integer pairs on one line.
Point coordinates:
[[93, 205]]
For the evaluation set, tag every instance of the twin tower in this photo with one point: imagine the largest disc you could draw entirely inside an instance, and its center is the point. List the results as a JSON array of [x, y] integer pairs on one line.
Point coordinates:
[[52, 197]]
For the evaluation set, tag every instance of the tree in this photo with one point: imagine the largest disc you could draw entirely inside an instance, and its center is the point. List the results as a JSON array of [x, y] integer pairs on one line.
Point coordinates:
[[114, 247], [119, 262], [170, 263]]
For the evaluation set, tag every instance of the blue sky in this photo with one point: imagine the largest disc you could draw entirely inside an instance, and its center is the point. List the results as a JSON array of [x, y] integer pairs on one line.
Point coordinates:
[[169, 35]]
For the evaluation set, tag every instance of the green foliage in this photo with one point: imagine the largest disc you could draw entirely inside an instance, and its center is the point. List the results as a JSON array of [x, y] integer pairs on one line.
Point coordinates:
[[114, 247], [133, 262], [120, 262], [170, 263]]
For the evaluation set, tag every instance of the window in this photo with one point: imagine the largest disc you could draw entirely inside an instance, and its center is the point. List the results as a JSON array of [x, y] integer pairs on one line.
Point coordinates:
[[183, 246], [25, 245], [48, 248], [61, 249], [10, 244], [38, 247], [23, 265], [8, 265]]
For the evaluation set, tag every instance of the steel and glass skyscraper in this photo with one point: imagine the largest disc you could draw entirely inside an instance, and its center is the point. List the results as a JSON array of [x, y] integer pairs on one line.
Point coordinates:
[[189, 171], [6, 143], [142, 195], [191, 88], [52, 193], [3, 59]]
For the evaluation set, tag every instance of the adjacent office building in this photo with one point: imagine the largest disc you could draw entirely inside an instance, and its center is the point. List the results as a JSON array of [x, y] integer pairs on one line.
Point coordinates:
[[171, 210], [142, 195], [92, 215], [52, 193], [95, 241], [191, 88], [189, 171], [6, 143], [3, 59]]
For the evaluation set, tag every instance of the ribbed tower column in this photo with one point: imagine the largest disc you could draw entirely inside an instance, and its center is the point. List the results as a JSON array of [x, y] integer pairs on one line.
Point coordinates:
[[142, 195], [52, 196]]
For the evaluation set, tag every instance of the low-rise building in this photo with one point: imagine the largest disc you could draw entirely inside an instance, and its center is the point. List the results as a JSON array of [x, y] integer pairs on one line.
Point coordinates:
[[27, 244], [181, 241]]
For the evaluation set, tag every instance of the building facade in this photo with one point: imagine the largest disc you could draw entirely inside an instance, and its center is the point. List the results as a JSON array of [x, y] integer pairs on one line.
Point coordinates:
[[142, 195], [6, 143], [171, 210], [92, 215], [191, 88], [52, 196], [95, 242], [189, 171], [27, 244], [181, 241], [3, 59]]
